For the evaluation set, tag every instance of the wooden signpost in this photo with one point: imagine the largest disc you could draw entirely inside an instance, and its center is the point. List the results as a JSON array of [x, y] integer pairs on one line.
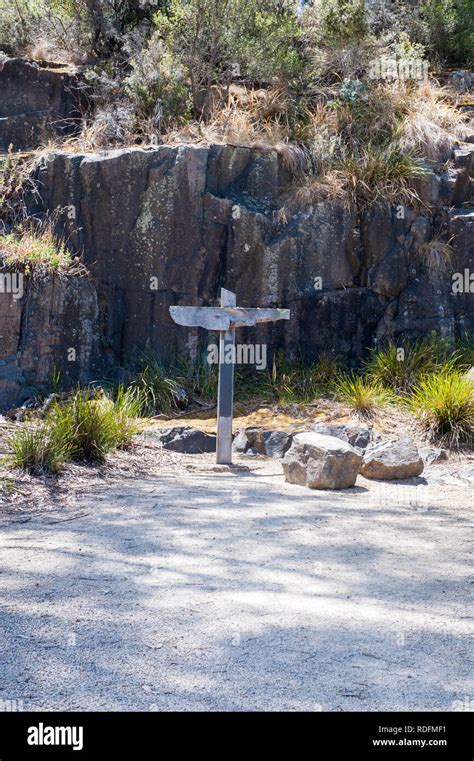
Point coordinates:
[[225, 319]]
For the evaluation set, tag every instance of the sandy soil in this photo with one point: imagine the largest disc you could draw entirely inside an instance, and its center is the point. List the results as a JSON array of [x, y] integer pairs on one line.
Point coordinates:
[[167, 582]]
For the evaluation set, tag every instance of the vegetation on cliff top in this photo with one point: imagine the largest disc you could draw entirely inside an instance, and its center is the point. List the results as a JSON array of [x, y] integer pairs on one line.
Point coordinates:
[[339, 87]]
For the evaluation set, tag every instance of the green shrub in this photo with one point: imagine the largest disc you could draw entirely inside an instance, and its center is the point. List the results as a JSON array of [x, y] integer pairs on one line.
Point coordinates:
[[37, 450], [300, 381], [336, 22], [213, 39], [155, 389], [199, 377], [91, 424], [87, 422], [157, 86], [386, 172], [464, 355], [127, 408], [398, 367], [449, 30], [444, 404], [362, 394], [84, 428]]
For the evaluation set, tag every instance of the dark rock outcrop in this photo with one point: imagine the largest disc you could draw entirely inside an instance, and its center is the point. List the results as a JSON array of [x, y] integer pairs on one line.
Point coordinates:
[[170, 225], [52, 329], [37, 102], [183, 439]]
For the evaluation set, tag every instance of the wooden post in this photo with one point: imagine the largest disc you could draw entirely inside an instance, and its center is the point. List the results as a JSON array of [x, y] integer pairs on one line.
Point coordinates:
[[226, 387], [225, 319]]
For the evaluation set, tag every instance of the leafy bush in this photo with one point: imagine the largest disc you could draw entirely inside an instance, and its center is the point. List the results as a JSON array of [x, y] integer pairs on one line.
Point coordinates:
[[217, 40], [300, 381], [158, 87], [382, 172], [86, 427], [128, 406], [17, 24], [88, 423], [444, 404], [449, 30], [464, 355], [338, 41], [199, 377]]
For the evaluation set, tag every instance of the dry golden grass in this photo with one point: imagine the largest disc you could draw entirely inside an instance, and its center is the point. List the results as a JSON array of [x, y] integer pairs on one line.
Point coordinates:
[[431, 123], [38, 251], [437, 254]]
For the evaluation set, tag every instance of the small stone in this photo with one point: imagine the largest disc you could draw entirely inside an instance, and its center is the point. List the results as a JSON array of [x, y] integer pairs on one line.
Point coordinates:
[[430, 455], [241, 442], [185, 440], [276, 443]]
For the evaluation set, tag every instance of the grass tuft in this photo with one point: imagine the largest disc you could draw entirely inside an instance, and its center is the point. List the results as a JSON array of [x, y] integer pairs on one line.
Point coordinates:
[[443, 402], [37, 450], [363, 395], [35, 251]]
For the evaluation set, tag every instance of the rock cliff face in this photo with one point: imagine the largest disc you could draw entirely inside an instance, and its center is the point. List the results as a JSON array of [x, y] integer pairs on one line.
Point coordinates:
[[37, 102], [53, 327], [171, 225]]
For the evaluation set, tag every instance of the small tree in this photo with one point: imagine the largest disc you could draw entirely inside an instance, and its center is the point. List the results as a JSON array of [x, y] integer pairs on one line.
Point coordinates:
[[217, 40]]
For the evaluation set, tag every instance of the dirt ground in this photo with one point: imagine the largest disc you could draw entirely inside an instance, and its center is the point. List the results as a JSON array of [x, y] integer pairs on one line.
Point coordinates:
[[166, 582]]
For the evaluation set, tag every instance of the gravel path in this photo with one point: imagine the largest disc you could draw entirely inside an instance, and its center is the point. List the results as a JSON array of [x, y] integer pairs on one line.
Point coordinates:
[[204, 589]]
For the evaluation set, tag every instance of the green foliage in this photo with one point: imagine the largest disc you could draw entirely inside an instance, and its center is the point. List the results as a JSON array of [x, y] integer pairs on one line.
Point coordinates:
[[300, 381], [199, 377], [464, 355], [267, 42], [444, 404], [217, 40], [449, 30], [87, 423], [337, 22], [37, 450], [385, 172], [127, 408], [399, 367], [157, 86], [35, 251], [86, 427], [17, 23], [156, 392], [362, 394]]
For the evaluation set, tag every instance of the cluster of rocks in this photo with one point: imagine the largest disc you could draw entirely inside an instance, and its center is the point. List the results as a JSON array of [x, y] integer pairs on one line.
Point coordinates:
[[333, 458], [325, 457]]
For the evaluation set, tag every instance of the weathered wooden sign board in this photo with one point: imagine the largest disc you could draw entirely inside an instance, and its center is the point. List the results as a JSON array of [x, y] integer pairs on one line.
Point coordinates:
[[225, 319]]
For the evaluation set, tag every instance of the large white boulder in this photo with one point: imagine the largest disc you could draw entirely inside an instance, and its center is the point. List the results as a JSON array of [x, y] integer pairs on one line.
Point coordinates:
[[321, 462]]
